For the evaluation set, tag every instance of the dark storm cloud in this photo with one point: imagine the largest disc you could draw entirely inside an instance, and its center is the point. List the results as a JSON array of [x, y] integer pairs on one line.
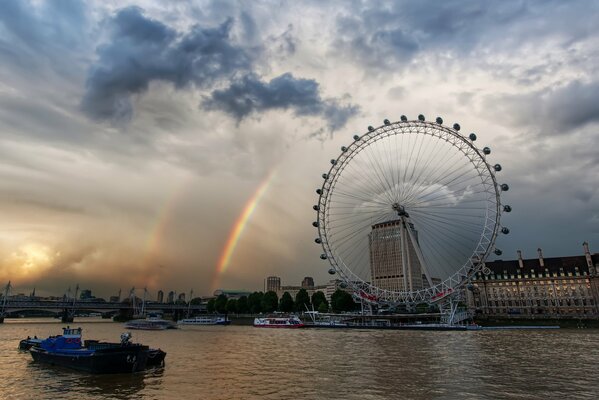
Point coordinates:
[[391, 35], [558, 110], [252, 95], [142, 50]]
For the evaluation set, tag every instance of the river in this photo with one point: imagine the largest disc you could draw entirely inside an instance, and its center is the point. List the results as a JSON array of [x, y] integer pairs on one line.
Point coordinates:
[[242, 362]]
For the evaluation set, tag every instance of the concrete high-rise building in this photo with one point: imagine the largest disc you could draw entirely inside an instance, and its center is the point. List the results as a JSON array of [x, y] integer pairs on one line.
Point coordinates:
[[160, 297], [181, 297], [171, 297], [308, 282], [273, 283], [390, 269]]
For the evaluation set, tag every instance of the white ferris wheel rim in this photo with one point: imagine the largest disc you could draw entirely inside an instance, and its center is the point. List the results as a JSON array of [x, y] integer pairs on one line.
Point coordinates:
[[470, 266]]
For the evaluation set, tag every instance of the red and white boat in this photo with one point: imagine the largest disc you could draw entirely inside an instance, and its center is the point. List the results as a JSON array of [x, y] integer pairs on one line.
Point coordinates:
[[278, 322]]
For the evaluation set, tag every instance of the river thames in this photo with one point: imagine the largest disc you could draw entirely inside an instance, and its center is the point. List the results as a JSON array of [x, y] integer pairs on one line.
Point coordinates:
[[242, 362]]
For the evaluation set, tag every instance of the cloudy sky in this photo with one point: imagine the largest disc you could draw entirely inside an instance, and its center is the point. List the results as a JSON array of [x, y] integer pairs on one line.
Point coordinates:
[[133, 136]]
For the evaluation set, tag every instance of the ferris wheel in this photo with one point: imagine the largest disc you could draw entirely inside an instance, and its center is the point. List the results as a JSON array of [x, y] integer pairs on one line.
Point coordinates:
[[409, 212]]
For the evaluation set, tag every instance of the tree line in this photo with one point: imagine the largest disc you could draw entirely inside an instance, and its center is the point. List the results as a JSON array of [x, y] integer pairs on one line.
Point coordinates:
[[259, 302]]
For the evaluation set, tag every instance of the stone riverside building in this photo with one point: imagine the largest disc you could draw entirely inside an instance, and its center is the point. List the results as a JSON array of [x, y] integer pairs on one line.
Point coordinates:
[[548, 287]]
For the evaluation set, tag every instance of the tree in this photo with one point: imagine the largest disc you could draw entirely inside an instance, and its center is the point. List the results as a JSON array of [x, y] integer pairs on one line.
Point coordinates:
[[270, 301], [242, 305], [342, 301], [221, 303], [302, 300], [323, 307], [286, 304], [255, 302], [231, 306], [210, 306], [319, 298], [196, 301]]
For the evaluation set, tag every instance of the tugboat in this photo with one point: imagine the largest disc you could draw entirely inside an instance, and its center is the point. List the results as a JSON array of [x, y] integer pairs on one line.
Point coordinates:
[[96, 357]]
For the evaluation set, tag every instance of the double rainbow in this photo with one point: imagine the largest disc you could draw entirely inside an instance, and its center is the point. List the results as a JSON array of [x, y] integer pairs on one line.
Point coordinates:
[[238, 228]]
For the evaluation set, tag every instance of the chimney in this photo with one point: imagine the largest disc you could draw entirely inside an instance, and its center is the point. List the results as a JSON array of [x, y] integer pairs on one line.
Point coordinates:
[[541, 261], [520, 262], [587, 255]]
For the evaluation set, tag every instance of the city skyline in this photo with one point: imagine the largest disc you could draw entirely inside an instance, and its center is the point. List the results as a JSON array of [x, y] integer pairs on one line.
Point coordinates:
[[179, 145]]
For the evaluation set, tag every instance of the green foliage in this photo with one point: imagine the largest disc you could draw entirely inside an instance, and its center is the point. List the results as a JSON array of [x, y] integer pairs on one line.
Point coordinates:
[[319, 298], [286, 304], [323, 307], [242, 305], [210, 306], [231, 306], [196, 301], [270, 302], [342, 301], [220, 305], [255, 302], [302, 299]]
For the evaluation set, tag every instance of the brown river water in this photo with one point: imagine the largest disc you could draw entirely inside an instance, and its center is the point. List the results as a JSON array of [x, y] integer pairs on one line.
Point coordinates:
[[243, 362]]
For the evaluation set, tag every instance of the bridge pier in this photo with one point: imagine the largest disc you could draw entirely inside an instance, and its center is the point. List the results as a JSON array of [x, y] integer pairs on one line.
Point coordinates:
[[67, 316]]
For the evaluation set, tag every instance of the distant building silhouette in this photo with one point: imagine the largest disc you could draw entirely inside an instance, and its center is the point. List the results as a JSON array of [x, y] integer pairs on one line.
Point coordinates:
[[86, 294], [308, 282], [273, 283], [181, 297], [160, 297], [171, 297]]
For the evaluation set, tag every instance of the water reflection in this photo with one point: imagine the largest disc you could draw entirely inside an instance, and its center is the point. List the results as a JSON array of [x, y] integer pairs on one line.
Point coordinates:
[[240, 362], [78, 385]]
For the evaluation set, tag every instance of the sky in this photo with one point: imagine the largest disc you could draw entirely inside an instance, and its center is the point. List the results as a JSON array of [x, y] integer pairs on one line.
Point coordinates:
[[177, 145]]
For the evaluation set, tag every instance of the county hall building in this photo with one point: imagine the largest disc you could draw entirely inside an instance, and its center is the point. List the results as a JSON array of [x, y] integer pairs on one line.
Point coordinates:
[[550, 287]]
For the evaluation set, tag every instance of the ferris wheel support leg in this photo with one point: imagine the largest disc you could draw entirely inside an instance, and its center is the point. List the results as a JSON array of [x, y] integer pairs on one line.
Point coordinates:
[[404, 248], [418, 253]]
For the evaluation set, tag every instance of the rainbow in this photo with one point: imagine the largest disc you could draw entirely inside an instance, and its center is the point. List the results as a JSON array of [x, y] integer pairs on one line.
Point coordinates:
[[239, 227], [158, 231]]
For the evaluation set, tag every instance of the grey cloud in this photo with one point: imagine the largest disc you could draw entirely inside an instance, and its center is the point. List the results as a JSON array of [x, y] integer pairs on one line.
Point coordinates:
[[391, 36], [142, 50], [251, 95], [558, 110]]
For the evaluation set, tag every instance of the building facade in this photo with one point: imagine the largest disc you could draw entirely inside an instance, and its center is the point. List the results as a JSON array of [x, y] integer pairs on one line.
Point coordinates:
[[550, 287], [390, 268], [273, 284]]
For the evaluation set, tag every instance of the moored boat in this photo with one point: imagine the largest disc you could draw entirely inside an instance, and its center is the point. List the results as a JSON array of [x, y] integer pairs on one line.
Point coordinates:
[[96, 357], [206, 320], [150, 324], [28, 343], [278, 322]]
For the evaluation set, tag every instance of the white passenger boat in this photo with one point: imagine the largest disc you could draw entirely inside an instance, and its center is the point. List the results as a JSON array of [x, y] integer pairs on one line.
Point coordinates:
[[278, 322], [205, 320]]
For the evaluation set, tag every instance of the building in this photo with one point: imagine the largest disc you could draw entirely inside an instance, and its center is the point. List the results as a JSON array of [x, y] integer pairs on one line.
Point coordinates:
[[160, 296], [114, 299], [549, 287], [308, 282], [390, 269], [231, 294], [181, 297], [86, 294], [171, 297], [273, 284]]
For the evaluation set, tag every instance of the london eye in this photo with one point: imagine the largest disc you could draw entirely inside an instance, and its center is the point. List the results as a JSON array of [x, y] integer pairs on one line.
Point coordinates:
[[409, 211]]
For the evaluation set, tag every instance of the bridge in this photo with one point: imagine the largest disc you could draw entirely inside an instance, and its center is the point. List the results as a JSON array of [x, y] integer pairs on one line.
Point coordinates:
[[71, 307]]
